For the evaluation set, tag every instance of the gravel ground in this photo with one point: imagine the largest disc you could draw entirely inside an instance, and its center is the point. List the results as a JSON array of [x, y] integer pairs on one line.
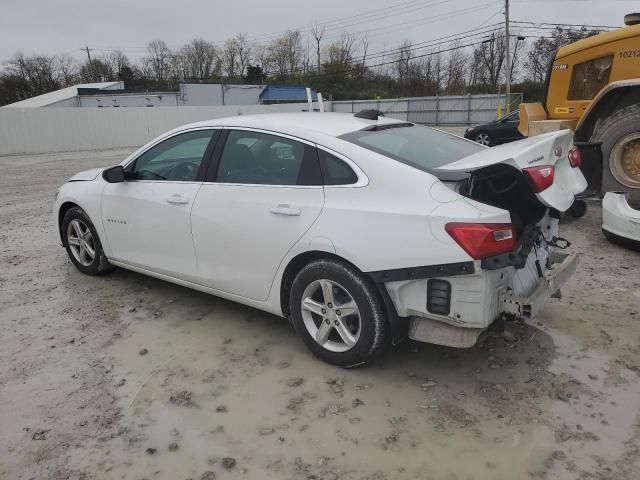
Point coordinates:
[[123, 376]]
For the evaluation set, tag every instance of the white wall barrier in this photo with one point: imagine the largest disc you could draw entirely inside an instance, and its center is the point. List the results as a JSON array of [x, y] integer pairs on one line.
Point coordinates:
[[42, 130]]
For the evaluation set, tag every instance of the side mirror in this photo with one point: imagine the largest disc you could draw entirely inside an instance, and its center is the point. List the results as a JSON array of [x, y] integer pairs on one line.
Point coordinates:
[[114, 174]]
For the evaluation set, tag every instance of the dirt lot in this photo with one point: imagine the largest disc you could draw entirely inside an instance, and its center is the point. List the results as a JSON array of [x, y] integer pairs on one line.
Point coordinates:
[[127, 377]]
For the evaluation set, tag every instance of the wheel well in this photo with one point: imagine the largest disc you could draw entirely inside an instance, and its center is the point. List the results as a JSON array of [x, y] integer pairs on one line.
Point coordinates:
[[296, 264], [64, 208], [397, 326], [610, 103]]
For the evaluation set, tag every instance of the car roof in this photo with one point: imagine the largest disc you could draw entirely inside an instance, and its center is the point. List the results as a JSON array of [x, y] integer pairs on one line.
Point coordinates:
[[303, 124]]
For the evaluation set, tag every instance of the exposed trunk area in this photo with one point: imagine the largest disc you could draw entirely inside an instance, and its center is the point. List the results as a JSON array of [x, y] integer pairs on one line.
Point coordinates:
[[505, 187]]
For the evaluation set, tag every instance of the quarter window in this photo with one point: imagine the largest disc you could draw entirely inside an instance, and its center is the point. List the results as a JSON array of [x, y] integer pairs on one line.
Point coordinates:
[[178, 158], [588, 78], [263, 159], [335, 171]]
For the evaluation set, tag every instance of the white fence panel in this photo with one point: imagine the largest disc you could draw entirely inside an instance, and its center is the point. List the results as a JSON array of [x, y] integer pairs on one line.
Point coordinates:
[[42, 130], [442, 110]]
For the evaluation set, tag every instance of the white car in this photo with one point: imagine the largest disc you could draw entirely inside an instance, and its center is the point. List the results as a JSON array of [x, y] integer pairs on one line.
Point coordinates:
[[358, 229], [620, 222]]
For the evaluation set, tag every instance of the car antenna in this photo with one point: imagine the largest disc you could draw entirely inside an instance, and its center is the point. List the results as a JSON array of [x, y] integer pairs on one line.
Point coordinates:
[[369, 114]]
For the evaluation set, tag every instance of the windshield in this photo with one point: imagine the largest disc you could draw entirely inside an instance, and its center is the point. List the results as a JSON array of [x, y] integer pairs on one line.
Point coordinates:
[[421, 147]]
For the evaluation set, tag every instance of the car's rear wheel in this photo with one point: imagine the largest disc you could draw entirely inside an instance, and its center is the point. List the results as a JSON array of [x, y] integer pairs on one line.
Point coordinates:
[[82, 243], [338, 313], [483, 138]]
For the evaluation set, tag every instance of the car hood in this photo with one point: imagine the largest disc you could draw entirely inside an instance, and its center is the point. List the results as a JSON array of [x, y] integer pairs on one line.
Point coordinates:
[[482, 125], [86, 175]]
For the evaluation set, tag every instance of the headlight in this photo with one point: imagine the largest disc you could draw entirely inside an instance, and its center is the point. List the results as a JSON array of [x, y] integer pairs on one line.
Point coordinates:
[[470, 129]]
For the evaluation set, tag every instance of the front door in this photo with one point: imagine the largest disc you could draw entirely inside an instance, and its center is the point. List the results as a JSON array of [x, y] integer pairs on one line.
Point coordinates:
[[147, 217], [265, 193]]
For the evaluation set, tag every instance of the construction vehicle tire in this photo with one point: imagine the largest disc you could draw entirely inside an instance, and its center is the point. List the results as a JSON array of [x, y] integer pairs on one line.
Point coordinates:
[[620, 137]]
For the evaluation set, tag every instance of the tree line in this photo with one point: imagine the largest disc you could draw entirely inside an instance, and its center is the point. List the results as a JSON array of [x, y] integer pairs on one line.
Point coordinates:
[[343, 68]]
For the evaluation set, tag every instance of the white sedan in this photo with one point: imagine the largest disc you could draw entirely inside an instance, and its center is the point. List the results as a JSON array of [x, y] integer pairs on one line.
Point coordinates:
[[359, 229]]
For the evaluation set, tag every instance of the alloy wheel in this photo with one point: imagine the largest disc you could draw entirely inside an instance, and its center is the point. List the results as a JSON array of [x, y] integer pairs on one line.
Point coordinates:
[[81, 242], [483, 139], [331, 315]]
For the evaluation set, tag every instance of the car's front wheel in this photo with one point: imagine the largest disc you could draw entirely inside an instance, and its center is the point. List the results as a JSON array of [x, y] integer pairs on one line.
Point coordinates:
[[82, 243], [338, 313], [483, 138]]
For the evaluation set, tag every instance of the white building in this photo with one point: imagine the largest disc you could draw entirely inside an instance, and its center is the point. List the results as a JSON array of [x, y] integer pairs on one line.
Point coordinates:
[[65, 97], [113, 94]]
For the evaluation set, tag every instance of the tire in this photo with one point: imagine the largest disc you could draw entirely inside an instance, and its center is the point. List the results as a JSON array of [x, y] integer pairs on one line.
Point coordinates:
[[622, 241], [80, 239], [483, 138], [620, 129], [358, 337], [578, 209]]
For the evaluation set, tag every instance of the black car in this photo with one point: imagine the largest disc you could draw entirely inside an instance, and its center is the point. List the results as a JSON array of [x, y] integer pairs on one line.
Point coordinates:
[[503, 130]]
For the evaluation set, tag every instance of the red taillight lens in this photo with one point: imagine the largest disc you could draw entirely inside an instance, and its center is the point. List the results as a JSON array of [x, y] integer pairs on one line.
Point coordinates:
[[541, 177], [481, 240], [575, 159]]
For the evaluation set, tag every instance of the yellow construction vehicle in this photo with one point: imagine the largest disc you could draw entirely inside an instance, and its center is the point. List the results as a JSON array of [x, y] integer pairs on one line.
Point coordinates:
[[593, 88]]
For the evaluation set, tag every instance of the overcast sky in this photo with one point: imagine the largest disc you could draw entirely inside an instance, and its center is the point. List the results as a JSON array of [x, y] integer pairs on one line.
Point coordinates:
[[64, 26]]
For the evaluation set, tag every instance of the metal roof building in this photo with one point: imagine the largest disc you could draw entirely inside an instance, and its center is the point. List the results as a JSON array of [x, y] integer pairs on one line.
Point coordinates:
[[65, 97], [113, 94]]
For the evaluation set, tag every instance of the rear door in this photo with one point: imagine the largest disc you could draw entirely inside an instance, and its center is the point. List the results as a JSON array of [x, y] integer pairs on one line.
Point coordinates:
[[263, 192]]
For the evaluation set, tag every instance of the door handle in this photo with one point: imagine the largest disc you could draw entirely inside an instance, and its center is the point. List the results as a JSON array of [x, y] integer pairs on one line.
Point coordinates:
[[286, 210], [177, 199]]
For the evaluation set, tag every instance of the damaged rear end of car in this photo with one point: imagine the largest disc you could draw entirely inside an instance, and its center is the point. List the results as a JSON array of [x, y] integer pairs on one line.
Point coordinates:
[[501, 207]]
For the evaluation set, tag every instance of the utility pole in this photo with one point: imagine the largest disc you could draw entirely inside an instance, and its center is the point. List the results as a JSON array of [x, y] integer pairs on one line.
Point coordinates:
[[88, 50], [507, 38]]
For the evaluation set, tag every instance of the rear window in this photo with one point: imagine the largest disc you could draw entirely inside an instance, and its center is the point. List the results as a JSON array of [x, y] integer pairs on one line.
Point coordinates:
[[421, 147]]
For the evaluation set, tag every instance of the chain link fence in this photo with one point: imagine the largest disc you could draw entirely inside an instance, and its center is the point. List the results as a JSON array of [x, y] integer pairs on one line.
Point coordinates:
[[441, 110]]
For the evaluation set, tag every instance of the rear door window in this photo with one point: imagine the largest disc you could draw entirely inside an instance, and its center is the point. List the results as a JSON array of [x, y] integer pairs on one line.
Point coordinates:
[[335, 171], [257, 158]]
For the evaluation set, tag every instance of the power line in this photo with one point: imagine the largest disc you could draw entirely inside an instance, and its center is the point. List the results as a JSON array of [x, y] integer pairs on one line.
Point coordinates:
[[400, 8], [422, 21], [566, 24]]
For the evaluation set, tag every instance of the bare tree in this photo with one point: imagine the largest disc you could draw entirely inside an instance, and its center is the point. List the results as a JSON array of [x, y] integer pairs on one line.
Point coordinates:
[[157, 60], [198, 60], [318, 32], [67, 70], [245, 52], [33, 75], [365, 46], [262, 56], [294, 49], [230, 57], [96, 71], [493, 52], [456, 67], [341, 51], [115, 62], [403, 55], [278, 54]]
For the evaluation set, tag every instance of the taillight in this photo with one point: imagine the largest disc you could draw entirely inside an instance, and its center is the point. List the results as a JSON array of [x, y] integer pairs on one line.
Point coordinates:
[[541, 177], [575, 158], [481, 240]]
